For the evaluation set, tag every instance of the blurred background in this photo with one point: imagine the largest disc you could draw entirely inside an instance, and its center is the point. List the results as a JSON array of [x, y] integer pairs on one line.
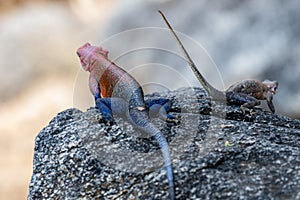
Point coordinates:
[[41, 76]]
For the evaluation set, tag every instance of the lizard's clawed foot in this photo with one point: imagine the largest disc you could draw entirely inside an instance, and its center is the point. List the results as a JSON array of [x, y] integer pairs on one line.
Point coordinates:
[[107, 118], [166, 116], [245, 109], [252, 112]]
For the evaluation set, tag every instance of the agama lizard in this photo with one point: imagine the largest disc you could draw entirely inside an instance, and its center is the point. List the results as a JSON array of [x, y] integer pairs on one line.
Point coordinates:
[[246, 93], [117, 92]]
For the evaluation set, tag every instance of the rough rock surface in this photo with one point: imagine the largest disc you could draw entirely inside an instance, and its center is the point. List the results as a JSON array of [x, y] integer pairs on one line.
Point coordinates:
[[215, 155]]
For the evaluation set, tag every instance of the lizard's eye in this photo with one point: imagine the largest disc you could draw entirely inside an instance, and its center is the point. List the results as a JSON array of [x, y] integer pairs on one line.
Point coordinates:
[[274, 89]]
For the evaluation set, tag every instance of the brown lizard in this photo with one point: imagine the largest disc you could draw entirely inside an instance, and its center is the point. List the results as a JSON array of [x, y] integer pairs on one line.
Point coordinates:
[[246, 93]]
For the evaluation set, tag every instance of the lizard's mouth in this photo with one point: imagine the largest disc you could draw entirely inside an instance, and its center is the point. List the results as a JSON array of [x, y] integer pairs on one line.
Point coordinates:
[[80, 55], [82, 61]]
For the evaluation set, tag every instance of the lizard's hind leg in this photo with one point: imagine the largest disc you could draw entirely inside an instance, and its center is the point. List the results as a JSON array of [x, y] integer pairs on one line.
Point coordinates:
[[159, 108], [247, 102], [245, 107]]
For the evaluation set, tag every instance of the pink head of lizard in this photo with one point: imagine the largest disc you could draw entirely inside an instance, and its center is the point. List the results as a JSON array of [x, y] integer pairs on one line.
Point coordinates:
[[88, 55]]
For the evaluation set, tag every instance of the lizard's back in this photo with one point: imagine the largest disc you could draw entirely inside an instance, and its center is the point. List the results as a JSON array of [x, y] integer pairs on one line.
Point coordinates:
[[116, 82], [253, 88]]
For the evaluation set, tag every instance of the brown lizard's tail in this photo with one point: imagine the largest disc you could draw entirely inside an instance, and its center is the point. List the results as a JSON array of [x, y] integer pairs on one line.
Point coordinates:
[[216, 94]]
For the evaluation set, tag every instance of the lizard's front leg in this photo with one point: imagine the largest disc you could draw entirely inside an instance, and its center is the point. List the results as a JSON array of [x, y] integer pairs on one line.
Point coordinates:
[[94, 87], [270, 103], [110, 106], [107, 106]]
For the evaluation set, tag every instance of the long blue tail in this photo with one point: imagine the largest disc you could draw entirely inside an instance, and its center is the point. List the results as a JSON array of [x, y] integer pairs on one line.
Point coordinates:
[[168, 164], [152, 130]]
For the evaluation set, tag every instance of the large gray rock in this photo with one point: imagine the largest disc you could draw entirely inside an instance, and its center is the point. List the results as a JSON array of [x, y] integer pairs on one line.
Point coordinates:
[[215, 155]]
